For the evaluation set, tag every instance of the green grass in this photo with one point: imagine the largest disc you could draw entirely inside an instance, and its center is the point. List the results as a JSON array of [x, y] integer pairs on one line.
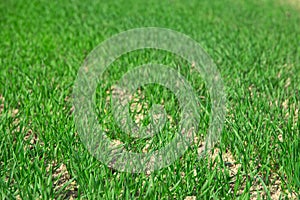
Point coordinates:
[[255, 45]]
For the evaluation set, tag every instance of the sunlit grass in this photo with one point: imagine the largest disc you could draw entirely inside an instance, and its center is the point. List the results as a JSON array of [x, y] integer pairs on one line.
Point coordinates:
[[255, 45]]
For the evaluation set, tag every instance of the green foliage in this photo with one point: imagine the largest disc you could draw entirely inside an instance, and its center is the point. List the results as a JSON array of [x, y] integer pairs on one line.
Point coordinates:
[[255, 45]]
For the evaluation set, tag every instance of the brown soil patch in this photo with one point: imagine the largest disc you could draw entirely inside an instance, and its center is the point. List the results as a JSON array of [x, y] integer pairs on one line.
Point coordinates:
[[190, 198], [1, 103], [62, 181], [257, 189]]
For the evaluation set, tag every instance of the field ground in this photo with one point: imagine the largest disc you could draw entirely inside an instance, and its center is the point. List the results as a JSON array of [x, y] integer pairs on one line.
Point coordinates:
[[254, 43]]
